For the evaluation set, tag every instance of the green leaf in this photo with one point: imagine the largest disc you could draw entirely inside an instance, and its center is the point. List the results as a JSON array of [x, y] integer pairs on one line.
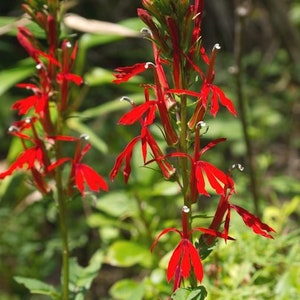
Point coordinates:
[[11, 77], [38, 287], [8, 25], [110, 107], [127, 289], [95, 140], [198, 293], [204, 249], [81, 277], [98, 76], [180, 294], [117, 204], [127, 254]]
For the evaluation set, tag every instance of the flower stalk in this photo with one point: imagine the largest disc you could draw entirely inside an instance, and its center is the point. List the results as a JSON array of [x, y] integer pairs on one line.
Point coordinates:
[[42, 130], [180, 59]]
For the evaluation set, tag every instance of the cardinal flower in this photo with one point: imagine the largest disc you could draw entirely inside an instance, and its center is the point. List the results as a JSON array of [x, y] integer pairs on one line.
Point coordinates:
[[123, 74], [31, 158], [253, 222], [81, 174], [223, 215], [125, 156], [185, 257]]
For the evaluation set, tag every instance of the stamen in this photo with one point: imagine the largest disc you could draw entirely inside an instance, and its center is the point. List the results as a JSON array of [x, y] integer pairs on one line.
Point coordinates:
[[202, 124], [185, 209], [84, 137], [68, 44], [39, 66], [149, 64], [125, 98], [240, 167], [216, 47], [196, 16], [13, 128], [28, 120], [146, 32]]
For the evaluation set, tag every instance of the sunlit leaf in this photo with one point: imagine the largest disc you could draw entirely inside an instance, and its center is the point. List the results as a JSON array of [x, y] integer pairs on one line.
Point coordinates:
[[127, 254], [38, 287]]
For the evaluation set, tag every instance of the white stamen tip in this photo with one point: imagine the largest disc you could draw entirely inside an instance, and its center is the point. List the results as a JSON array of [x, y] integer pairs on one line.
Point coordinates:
[[202, 124], [240, 167], [217, 47], [185, 209], [85, 137], [13, 128], [127, 99], [39, 66], [28, 120], [146, 31], [149, 64]]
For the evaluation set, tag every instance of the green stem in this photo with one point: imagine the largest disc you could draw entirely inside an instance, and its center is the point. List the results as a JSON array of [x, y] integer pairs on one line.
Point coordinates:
[[239, 29], [63, 224]]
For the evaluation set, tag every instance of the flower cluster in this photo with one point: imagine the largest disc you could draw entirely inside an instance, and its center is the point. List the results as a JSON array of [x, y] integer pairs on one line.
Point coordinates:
[[43, 113], [181, 96]]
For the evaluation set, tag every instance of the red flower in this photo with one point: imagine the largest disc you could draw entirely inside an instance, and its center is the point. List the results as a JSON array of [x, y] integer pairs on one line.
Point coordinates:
[[216, 178], [125, 156], [26, 159], [81, 174], [223, 211], [185, 256], [38, 101], [33, 158], [145, 114], [253, 222], [28, 42], [125, 73]]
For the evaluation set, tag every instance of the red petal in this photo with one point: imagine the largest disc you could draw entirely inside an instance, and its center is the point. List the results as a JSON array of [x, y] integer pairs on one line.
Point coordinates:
[[174, 261], [212, 232], [125, 73], [253, 222], [185, 258], [136, 113], [126, 153], [28, 157], [214, 103], [57, 163], [211, 145], [196, 262], [79, 181], [69, 77], [94, 181], [200, 180], [24, 105], [163, 233], [224, 100], [214, 175]]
